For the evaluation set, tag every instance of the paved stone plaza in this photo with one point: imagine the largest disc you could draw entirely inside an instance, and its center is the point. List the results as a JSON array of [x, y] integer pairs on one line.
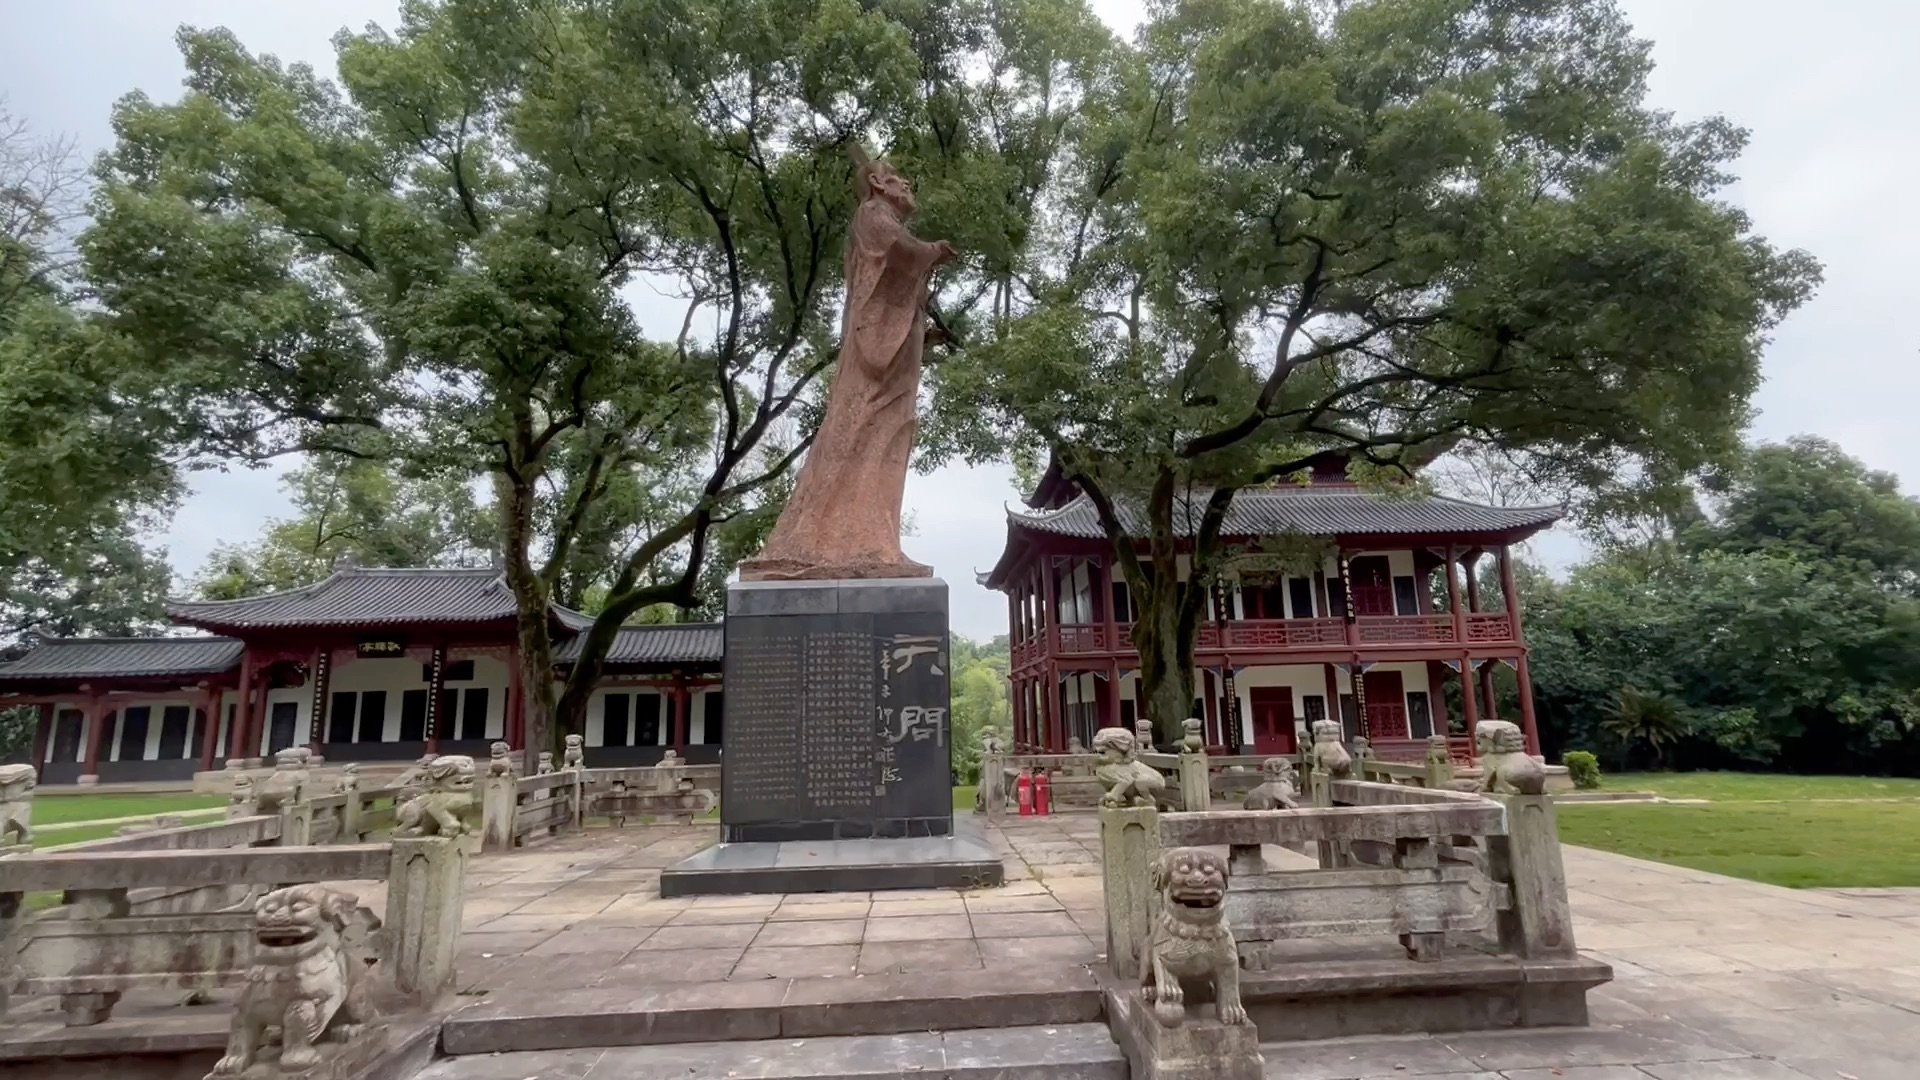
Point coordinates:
[[1716, 978]]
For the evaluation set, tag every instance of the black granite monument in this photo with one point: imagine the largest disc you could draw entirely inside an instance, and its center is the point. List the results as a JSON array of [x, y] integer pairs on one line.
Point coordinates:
[[836, 759]]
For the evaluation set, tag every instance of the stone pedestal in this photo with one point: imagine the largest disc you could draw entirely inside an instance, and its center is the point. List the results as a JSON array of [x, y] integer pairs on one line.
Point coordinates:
[[837, 750], [837, 697], [1201, 1048]]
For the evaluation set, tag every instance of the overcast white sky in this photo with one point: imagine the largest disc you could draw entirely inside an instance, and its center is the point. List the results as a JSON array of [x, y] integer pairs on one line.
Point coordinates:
[[1828, 95]]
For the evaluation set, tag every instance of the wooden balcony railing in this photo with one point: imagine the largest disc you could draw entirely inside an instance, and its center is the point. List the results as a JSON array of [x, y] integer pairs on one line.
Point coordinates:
[[1405, 629], [1274, 635]]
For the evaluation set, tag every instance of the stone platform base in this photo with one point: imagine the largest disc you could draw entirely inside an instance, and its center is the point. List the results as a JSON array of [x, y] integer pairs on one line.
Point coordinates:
[[1466, 991], [962, 860]]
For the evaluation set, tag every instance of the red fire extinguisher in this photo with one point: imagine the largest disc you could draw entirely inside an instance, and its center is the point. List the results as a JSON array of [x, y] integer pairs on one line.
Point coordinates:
[[1042, 792], [1023, 787]]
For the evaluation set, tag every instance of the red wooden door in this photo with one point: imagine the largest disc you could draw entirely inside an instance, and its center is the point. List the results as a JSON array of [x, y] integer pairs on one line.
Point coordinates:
[[1386, 705], [1372, 585], [1272, 719]]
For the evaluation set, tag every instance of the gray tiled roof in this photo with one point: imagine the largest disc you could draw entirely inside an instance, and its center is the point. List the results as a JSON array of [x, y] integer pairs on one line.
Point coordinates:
[[369, 596], [78, 658], [1327, 511], [663, 644]]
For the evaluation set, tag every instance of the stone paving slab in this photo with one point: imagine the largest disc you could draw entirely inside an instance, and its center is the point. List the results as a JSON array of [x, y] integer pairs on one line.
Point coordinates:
[[1788, 984], [1065, 1052]]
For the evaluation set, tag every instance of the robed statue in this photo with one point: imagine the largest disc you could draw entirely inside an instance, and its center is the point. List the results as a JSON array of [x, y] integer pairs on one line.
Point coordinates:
[[843, 520]]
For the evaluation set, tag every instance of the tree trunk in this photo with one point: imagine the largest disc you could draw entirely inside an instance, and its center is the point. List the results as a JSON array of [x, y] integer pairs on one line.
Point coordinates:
[[530, 598], [1166, 675], [1164, 635]]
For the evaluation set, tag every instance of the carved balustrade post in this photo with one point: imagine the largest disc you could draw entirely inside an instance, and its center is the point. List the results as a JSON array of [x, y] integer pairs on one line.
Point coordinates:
[[1196, 792], [1539, 922], [1129, 844], [425, 884], [499, 801]]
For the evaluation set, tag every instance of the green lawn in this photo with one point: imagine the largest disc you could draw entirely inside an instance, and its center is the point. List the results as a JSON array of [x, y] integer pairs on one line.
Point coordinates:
[[54, 809], [1796, 844], [46, 838], [963, 797], [1751, 787]]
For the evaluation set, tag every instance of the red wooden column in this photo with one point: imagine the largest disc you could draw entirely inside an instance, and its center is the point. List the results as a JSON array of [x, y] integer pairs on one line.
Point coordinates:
[[1523, 680], [210, 732], [1016, 710], [682, 713], [1436, 685], [1210, 703], [1050, 706], [1353, 619], [1333, 696], [1466, 700], [1111, 634], [1528, 724], [436, 682], [43, 734], [513, 727], [1050, 615], [237, 745], [1453, 601], [320, 672], [1112, 718], [96, 721]]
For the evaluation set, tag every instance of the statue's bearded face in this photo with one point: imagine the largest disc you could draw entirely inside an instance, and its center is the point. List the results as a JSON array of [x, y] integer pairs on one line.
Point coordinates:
[[893, 187]]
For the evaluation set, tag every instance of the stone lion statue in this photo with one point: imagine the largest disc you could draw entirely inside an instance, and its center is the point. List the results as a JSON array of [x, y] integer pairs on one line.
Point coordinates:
[[16, 803], [1328, 752], [1127, 780], [1505, 766], [414, 780], [499, 760], [349, 780], [240, 802], [576, 754], [1191, 940], [1278, 792], [1192, 739], [288, 779], [437, 810], [546, 763], [304, 983]]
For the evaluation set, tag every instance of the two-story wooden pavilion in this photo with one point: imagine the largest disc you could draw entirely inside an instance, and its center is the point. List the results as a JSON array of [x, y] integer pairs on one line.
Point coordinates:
[[367, 665], [1384, 602]]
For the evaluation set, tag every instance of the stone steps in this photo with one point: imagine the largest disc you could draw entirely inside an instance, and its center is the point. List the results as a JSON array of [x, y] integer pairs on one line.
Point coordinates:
[[1063, 1052], [768, 1009]]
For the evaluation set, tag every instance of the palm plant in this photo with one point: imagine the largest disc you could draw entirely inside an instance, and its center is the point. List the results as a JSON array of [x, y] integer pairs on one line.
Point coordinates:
[[1650, 717]]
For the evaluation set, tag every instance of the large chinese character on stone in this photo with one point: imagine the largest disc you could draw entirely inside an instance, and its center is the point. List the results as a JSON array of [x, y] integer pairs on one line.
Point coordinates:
[[843, 519]]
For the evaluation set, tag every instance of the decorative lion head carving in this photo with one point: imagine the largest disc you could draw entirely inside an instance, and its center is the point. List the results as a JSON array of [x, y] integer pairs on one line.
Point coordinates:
[[1192, 883], [454, 772], [1499, 737], [1326, 731], [300, 915], [1278, 768], [1114, 744], [16, 781]]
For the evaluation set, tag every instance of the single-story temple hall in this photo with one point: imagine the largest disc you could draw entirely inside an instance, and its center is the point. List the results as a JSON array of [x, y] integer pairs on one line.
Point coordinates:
[[367, 665]]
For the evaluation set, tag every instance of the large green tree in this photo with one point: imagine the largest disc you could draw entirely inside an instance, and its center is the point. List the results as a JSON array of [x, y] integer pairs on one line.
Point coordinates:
[[1777, 621], [85, 463], [1388, 227], [447, 246]]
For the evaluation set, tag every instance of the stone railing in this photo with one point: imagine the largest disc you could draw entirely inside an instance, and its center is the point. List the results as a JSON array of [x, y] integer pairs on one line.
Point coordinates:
[[1465, 882], [99, 944], [519, 810]]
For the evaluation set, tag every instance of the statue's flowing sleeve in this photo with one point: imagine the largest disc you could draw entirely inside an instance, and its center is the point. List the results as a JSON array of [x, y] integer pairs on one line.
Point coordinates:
[[887, 271]]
